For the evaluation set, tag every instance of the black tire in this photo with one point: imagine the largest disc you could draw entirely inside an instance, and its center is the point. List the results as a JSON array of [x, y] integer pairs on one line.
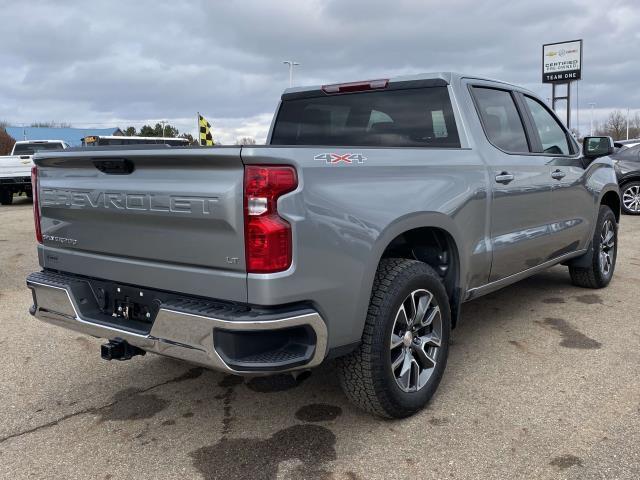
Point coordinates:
[[366, 375], [595, 275], [6, 197], [630, 193]]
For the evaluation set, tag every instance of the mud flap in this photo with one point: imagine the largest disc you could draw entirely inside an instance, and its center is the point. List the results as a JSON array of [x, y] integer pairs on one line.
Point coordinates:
[[583, 261]]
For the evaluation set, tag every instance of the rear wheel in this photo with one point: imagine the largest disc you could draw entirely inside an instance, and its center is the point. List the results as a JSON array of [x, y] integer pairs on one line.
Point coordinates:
[[603, 254], [405, 343], [6, 197], [631, 198]]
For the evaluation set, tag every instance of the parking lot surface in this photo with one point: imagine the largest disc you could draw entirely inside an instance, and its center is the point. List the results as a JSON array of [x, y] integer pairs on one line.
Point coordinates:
[[543, 381]]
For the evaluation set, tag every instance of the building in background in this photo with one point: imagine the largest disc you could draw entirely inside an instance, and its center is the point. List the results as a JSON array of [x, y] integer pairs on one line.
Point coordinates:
[[73, 136]]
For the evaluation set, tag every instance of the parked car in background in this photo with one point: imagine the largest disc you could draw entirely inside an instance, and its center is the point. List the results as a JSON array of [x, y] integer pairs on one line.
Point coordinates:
[[627, 166], [624, 144], [15, 169], [627, 143]]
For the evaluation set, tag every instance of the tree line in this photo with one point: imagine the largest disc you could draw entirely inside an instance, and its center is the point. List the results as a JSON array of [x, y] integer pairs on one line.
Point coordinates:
[[616, 126], [159, 130]]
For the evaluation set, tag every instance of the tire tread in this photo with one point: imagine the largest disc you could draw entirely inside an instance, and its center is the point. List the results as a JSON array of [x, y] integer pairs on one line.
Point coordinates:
[[590, 277], [360, 376]]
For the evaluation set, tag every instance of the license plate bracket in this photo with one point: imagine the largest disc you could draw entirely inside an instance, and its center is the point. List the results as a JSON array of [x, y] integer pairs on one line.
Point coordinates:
[[132, 303]]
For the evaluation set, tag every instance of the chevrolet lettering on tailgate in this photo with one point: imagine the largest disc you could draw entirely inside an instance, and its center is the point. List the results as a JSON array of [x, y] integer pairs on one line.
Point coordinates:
[[178, 204]]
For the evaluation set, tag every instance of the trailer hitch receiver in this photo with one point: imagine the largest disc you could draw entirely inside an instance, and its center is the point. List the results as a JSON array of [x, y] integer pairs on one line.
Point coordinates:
[[118, 349]]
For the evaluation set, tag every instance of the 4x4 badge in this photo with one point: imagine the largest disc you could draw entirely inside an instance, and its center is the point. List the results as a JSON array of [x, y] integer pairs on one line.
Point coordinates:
[[337, 158]]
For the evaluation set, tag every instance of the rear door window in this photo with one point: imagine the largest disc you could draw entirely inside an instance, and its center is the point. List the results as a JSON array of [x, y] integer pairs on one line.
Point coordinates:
[[416, 117], [501, 120]]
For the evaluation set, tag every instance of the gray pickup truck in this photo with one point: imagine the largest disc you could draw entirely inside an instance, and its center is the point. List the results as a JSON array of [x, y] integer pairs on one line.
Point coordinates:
[[374, 211]]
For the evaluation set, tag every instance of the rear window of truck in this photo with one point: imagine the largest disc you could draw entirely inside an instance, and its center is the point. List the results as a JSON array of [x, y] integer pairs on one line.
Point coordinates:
[[416, 117], [31, 148]]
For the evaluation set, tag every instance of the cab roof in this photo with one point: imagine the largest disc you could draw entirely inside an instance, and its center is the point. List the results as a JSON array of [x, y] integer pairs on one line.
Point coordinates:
[[433, 78]]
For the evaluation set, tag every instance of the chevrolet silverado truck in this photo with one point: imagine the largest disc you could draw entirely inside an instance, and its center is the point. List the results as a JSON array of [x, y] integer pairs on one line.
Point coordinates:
[[374, 211], [15, 169]]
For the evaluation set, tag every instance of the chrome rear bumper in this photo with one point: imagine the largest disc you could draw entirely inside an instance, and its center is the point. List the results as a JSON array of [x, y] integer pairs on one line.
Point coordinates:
[[189, 336]]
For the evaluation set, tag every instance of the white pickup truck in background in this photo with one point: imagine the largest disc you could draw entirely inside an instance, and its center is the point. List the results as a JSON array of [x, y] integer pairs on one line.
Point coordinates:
[[15, 169]]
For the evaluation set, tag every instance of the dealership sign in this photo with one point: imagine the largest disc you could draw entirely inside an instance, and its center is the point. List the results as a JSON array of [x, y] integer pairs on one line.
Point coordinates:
[[562, 62]]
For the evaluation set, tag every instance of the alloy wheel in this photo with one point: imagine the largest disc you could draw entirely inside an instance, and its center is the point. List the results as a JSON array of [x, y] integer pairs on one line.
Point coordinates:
[[607, 247], [631, 198], [416, 338]]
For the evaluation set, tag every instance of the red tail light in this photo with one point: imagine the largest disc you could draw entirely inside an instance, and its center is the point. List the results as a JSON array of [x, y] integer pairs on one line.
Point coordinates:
[[36, 203], [267, 236], [355, 86]]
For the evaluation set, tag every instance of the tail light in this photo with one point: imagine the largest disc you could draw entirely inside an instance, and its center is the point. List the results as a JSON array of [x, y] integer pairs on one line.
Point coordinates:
[[36, 203], [267, 236], [355, 86]]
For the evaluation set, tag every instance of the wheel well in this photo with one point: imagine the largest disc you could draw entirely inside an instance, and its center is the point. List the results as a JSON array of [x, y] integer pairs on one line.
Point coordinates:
[[436, 248], [612, 200], [629, 180]]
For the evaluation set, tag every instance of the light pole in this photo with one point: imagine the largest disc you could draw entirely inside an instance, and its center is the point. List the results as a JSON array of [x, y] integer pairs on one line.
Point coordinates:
[[627, 123], [591, 104], [291, 64], [163, 122]]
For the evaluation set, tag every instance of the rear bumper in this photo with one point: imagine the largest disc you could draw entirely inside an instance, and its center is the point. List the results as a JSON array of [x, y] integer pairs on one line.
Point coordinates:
[[14, 181], [212, 334]]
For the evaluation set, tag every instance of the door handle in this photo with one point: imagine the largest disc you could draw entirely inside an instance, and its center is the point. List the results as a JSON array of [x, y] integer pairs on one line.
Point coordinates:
[[504, 178], [558, 174]]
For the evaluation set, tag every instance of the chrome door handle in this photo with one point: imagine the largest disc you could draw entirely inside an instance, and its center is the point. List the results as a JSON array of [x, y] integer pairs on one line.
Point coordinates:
[[504, 178], [558, 174]]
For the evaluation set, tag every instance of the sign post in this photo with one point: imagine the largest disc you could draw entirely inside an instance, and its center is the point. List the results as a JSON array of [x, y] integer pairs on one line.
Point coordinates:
[[561, 65]]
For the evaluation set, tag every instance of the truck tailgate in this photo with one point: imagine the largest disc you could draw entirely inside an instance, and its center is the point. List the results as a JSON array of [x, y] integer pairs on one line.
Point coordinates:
[[162, 218], [15, 166]]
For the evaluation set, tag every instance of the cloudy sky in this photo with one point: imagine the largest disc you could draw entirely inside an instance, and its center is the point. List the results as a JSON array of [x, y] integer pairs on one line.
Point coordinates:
[[107, 63]]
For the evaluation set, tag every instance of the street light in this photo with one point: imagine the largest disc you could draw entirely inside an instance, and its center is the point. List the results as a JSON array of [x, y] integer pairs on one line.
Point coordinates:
[[627, 123], [291, 64], [591, 104]]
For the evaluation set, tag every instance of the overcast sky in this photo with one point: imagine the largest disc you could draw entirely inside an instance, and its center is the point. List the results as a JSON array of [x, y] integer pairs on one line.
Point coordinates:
[[116, 63]]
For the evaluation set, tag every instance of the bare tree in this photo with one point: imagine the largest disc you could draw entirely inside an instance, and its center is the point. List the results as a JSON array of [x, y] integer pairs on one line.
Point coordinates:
[[634, 126], [246, 141], [615, 126]]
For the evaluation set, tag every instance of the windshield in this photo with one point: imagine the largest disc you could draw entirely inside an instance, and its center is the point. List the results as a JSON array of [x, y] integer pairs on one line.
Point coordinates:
[[417, 117], [31, 148]]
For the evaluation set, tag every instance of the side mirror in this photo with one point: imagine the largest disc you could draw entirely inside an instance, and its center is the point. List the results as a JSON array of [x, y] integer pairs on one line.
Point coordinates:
[[594, 147]]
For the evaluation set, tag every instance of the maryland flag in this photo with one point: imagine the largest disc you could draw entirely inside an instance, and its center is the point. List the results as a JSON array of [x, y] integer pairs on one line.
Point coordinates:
[[206, 140]]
